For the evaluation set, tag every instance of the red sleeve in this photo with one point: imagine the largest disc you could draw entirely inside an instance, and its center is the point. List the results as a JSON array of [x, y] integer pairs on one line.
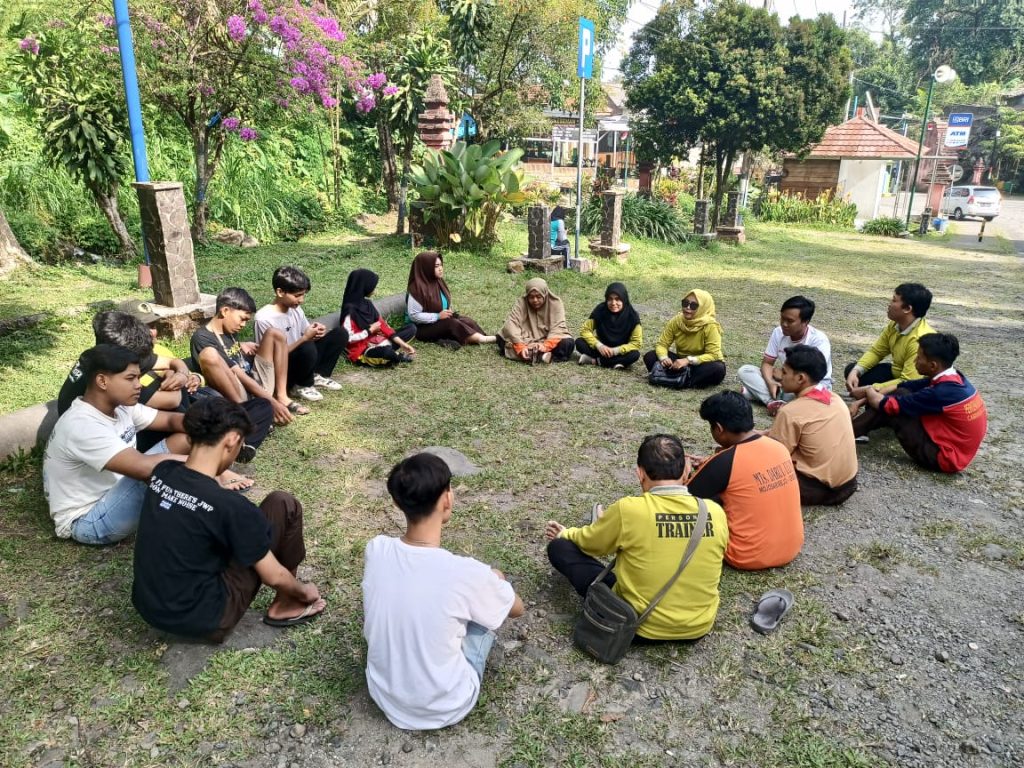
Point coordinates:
[[386, 329]]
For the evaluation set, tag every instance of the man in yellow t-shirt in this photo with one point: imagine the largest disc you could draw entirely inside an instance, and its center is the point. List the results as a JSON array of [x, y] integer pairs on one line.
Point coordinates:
[[648, 534]]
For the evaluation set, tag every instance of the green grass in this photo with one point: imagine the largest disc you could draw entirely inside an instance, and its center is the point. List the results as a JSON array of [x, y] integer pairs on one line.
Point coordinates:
[[550, 441]]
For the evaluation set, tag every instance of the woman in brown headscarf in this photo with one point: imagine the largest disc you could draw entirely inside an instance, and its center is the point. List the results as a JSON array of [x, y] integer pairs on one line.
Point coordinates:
[[428, 302], [535, 330]]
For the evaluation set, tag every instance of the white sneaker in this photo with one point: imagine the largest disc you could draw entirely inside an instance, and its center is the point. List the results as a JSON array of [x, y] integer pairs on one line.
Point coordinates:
[[307, 393], [323, 381], [587, 360]]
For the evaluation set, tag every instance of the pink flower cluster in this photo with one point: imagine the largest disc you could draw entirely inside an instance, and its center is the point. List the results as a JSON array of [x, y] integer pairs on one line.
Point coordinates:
[[106, 20], [236, 28], [231, 123], [30, 45]]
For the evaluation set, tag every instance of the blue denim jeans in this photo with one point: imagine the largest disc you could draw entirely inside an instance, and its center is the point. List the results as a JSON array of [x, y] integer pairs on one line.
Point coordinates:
[[116, 515], [476, 646]]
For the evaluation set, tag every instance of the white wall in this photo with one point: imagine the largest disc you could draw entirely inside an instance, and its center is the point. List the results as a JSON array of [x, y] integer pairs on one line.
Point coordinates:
[[860, 181]]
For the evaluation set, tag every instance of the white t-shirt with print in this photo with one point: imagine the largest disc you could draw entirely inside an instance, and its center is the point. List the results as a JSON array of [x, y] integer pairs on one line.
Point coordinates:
[[292, 323], [417, 602], [778, 343], [83, 440]]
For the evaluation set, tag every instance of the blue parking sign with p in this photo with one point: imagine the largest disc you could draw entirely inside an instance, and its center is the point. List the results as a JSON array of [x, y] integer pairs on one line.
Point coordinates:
[[585, 55]]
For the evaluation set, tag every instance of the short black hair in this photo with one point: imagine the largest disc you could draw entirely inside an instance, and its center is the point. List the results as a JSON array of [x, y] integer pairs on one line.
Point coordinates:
[[662, 457], [235, 298], [291, 280], [106, 358], [915, 296], [730, 409], [805, 305], [804, 358], [123, 330], [416, 483], [210, 418], [943, 347]]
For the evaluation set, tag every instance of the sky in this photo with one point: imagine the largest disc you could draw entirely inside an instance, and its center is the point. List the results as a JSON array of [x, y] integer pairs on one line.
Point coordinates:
[[643, 11]]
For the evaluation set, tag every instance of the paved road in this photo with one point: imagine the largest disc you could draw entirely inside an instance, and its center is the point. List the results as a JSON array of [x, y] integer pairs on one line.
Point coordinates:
[[1009, 223]]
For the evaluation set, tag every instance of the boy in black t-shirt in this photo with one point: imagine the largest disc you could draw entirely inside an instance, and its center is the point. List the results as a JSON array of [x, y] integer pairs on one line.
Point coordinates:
[[202, 552]]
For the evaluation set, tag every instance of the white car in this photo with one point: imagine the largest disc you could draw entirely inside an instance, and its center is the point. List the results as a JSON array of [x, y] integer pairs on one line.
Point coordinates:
[[983, 202]]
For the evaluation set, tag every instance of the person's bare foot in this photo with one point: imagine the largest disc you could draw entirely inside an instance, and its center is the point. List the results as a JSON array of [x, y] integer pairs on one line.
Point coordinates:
[[234, 481]]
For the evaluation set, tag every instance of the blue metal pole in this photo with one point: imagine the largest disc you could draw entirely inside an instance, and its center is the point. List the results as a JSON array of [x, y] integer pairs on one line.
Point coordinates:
[[131, 94]]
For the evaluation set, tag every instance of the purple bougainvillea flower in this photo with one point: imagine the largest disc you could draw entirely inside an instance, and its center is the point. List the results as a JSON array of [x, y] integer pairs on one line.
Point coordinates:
[[29, 44], [231, 123], [248, 134], [391, 90], [106, 20], [377, 80], [236, 28]]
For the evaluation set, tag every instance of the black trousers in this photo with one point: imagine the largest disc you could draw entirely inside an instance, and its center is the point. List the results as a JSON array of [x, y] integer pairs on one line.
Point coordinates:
[[387, 352], [319, 356], [260, 410], [815, 493], [913, 437], [701, 376], [625, 360], [878, 374]]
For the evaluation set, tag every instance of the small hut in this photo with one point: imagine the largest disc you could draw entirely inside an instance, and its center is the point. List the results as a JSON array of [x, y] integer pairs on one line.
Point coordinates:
[[853, 160]]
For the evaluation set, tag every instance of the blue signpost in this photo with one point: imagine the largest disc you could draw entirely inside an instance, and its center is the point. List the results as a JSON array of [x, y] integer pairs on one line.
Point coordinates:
[[585, 71]]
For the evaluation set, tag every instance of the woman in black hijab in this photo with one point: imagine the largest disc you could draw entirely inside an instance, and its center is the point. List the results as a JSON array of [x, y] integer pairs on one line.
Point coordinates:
[[612, 337], [371, 341]]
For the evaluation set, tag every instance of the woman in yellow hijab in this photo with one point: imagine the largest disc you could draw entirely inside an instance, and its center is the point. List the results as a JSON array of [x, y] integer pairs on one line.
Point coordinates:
[[697, 359]]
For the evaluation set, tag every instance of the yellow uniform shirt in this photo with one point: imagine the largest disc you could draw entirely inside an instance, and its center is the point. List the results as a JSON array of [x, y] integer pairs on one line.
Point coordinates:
[[704, 343], [902, 346], [649, 534], [636, 339]]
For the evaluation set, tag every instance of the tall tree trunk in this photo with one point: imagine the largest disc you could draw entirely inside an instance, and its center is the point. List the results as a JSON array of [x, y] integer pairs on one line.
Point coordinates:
[[206, 160], [723, 165], [389, 166], [403, 189], [12, 255], [700, 172], [107, 202]]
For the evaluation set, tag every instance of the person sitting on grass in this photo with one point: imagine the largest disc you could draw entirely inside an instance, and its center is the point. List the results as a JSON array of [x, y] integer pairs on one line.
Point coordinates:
[[909, 304], [752, 477], [697, 360], [241, 371], [762, 384], [429, 615], [167, 383], [612, 336], [94, 477], [428, 302], [535, 331], [648, 535], [815, 428], [313, 351], [371, 341], [939, 419], [202, 553]]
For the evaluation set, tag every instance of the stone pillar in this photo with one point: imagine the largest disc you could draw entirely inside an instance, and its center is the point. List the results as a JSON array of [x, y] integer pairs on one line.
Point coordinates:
[[644, 182], [611, 227], [701, 219], [977, 171], [729, 229], [538, 227], [436, 120], [169, 243]]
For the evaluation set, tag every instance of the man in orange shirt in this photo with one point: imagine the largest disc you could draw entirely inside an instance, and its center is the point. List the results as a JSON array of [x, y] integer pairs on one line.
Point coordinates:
[[752, 477]]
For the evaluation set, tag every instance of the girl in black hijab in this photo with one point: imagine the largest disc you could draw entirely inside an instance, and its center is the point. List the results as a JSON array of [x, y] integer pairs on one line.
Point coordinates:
[[612, 337], [371, 341]]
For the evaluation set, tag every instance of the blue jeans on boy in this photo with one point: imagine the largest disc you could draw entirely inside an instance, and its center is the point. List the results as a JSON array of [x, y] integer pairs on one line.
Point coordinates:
[[476, 646], [116, 515]]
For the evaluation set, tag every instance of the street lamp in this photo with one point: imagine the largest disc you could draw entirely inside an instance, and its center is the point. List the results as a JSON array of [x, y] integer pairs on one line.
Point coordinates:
[[942, 74]]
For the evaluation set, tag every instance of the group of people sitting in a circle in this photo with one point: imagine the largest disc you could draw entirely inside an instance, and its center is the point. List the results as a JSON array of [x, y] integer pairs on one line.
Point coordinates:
[[146, 442]]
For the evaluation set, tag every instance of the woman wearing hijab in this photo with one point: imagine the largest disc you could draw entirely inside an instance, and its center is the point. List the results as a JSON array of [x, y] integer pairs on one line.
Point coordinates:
[[428, 302], [697, 360], [535, 330], [612, 336], [371, 341]]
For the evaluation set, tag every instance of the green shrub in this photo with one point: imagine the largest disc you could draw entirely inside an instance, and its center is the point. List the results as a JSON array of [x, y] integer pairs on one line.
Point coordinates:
[[641, 217], [884, 225], [795, 209]]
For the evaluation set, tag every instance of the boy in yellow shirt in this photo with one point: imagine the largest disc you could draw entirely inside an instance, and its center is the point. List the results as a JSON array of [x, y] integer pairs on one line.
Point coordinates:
[[648, 534]]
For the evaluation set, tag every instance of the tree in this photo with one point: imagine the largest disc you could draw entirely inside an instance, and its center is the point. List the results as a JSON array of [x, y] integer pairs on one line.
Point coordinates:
[[79, 117], [887, 13], [223, 66], [982, 39], [730, 77], [12, 255]]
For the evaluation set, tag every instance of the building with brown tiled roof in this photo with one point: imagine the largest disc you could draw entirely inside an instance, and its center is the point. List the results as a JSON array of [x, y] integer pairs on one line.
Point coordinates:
[[853, 160]]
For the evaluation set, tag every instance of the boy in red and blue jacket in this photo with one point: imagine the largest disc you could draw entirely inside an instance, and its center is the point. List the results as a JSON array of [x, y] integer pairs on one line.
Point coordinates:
[[940, 420]]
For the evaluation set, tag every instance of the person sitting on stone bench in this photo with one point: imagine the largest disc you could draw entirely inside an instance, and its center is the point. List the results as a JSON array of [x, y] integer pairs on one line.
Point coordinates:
[[94, 478], [202, 553], [535, 331], [167, 382], [939, 419], [559, 234], [648, 534]]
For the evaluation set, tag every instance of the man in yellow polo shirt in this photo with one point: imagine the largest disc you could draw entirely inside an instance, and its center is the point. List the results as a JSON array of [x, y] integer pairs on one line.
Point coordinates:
[[649, 534]]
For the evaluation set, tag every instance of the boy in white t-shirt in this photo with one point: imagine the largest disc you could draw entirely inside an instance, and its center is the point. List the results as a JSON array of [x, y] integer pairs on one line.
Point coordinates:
[[313, 351], [430, 615], [764, 384]]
